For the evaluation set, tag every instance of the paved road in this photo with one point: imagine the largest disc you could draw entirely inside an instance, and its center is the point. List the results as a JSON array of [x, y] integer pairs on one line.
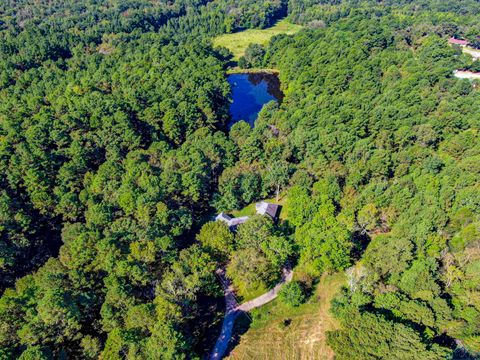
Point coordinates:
[[233, 309], [231, 314]]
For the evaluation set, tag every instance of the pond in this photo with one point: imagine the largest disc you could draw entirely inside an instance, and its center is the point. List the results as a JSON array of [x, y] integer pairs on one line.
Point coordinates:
[[250, 92]]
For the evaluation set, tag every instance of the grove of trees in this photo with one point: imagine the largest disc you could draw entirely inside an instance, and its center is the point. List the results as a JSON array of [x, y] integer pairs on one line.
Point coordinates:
[[115, 156]]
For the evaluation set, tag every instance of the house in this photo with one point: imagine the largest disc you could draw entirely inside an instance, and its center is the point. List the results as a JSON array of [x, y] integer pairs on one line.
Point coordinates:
[[231, 222], [465, 74], [473, 52], [453, 41], [264, 208], [237, 221], [223, 217]]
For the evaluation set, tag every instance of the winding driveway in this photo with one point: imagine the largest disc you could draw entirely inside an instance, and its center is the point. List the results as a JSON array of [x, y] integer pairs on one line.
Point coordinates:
[[233, 309]]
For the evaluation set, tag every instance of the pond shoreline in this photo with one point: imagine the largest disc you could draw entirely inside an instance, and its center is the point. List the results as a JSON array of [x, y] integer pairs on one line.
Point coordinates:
[[237, 70]]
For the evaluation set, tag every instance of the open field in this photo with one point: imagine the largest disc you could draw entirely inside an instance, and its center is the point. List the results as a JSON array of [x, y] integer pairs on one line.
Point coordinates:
[[237, 70], [280, 332], [238, 42]]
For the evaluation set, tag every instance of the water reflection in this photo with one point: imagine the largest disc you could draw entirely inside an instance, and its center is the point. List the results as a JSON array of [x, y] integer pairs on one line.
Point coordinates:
[[250, 92]]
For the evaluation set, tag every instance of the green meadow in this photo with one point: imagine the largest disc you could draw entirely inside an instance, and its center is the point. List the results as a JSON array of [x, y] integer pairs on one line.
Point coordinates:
[[238, 42]]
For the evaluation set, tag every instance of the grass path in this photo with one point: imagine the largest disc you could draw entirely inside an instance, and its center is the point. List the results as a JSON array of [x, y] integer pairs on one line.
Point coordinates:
[[238, 42], [304, 337]]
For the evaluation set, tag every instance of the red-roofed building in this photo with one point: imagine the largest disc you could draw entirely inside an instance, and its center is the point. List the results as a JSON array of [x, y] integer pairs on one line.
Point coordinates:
[[454, 41]]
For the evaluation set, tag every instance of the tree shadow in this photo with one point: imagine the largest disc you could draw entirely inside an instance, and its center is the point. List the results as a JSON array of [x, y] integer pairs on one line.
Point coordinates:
[[461, 353], [241, 326], [232, 63], [360, 243], [207, 323]]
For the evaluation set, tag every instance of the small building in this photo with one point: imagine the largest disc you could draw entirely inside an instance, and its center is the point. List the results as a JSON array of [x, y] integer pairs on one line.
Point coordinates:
[[231, 222], [454, 41], [223, 217], [474, 53], [264, 208], [465, 74]]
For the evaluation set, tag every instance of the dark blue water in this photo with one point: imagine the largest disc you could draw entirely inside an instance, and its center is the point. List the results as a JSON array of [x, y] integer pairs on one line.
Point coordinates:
[[249, 93]]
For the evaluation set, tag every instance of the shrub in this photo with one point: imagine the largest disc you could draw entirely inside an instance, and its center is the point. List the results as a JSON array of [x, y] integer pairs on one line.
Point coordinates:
[[293, 294]]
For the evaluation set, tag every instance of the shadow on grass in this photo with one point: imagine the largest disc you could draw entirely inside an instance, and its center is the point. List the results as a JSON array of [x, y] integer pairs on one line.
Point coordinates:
[[242, 324]]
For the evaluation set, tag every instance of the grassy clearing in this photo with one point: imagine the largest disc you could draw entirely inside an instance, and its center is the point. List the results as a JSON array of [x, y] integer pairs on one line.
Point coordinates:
[[280, 332], [238, 42], [247, 293], [237, 70], [250, 210]]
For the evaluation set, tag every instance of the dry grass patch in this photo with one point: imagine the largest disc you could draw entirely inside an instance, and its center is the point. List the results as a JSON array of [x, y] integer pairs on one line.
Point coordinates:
[[279, 332]]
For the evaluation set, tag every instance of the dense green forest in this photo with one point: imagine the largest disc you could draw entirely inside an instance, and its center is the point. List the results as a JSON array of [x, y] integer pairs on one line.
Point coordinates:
[[115, 154]]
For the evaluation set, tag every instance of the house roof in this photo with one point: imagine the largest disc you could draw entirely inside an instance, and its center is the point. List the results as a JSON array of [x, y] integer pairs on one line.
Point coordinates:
[[231, 222], [466, 74], [452, 40], [223, 217], [237, 221], [264, 208]]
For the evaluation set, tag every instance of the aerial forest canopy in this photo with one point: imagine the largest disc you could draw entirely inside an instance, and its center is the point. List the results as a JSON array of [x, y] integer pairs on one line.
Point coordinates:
[[115, 155]]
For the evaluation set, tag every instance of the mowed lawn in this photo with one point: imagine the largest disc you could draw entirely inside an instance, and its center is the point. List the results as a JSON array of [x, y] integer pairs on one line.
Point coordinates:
[[238, 42], [250, 209], [279, 332]]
